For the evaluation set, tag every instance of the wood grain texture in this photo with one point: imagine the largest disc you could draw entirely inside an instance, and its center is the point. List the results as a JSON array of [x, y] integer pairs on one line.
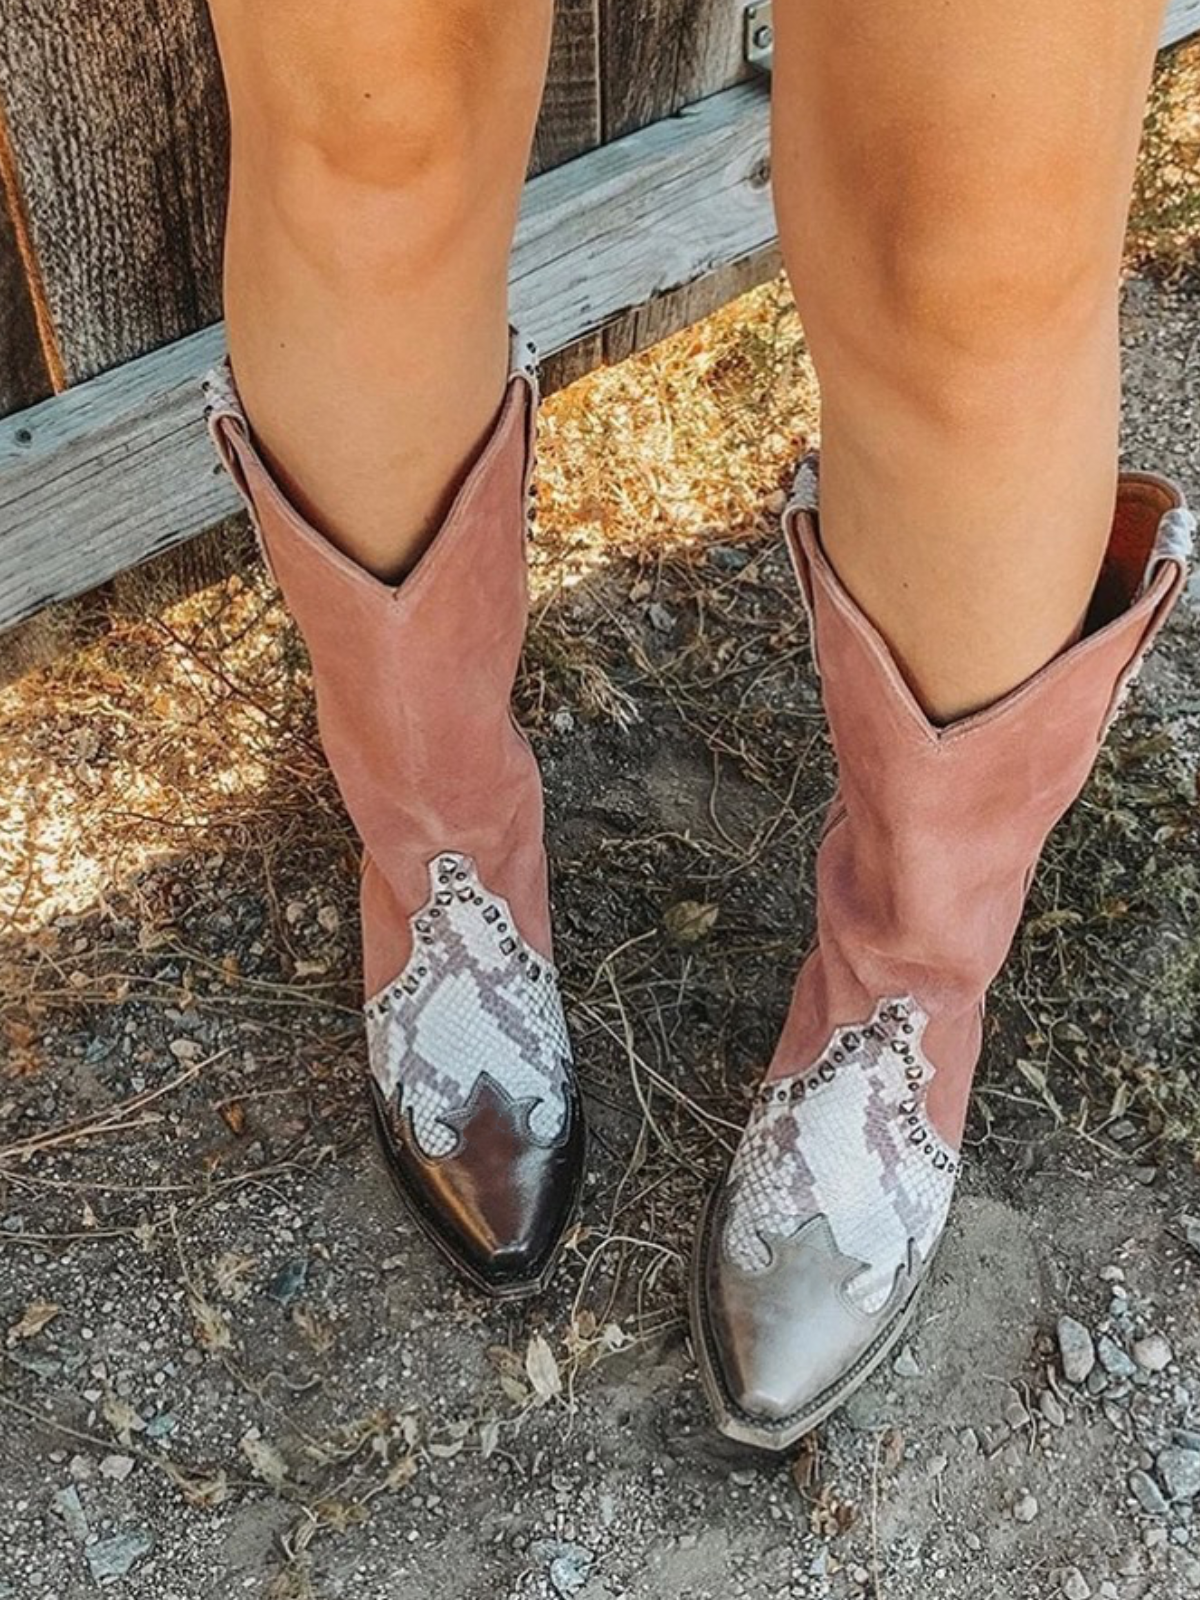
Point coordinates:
[[656, 57], [1183, 19], [118, 469], [569, 126], [659, 55], [24, 376], [569, 123], [117, 123]]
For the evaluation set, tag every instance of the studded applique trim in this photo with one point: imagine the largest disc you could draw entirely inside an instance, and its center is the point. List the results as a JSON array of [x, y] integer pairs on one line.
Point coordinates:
[[848, 1140], [474, 998]]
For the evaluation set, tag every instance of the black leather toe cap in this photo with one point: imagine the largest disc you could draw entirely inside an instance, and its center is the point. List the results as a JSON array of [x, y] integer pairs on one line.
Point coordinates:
[[500, 1203]]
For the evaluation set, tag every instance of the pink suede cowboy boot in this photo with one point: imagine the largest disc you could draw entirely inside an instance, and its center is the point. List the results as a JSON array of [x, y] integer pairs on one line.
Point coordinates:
[[474, 1096], [811, 1252]]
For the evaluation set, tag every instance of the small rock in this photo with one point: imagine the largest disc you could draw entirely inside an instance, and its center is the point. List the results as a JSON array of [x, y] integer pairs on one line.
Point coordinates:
[[659, 617], [1051, 1408], [1186, 1567], [972, 1540], [117, 1468], [1026, 1507], [1117, 1418], [775, 502], [1113, 1359], [1180, 1472], [1076, 1350], [1074, 1585], [184, 1049], [1112, 1274], [70, 1508], [1153, 1353], [906, 1364], [1129, 1563], [113, 1558], [727, 558], [1154, 1537], [1013, 1410], [1097, 1381], [289, 1282], [862, 1411], [1186, 1439], [568, 1565], [1147, 1493], [937, 1465]]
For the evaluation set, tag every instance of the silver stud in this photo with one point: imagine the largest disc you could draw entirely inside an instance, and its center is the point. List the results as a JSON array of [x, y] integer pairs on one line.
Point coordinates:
[[507, 946]]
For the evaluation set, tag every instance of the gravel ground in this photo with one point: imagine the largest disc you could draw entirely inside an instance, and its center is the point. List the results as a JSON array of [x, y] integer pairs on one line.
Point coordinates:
[[231, 1367]]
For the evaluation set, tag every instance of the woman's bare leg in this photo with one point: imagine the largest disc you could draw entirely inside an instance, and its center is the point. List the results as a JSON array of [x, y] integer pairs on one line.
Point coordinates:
[[379, 151], [952, 184]]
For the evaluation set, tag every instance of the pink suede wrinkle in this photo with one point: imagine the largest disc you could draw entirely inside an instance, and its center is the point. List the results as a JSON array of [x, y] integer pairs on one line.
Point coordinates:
[[934, 834], [413, 684]]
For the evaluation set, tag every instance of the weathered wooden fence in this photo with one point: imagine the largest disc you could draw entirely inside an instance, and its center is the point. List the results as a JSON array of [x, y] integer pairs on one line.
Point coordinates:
[[649, 205]]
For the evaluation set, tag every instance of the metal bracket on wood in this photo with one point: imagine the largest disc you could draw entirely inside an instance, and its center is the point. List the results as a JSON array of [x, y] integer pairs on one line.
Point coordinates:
[[759, 37]]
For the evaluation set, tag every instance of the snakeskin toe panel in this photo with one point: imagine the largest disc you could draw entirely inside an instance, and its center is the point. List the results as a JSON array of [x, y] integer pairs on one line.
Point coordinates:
[[474, 999], [848, 1140]]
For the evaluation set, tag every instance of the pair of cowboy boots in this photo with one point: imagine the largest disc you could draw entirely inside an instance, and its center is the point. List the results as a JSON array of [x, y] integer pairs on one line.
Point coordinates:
[[812, 1250]]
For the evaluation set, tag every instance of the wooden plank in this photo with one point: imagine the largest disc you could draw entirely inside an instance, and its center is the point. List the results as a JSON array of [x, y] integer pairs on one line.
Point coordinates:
[[117, 124], [24, 371], [656, 56], [117, 469], [570, 125], [1182, 20], [659, 55]]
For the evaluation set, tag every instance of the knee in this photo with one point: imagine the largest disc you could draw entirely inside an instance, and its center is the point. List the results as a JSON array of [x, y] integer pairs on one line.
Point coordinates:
[[984, 287], [958, 284], [390, 134], [376, 126]]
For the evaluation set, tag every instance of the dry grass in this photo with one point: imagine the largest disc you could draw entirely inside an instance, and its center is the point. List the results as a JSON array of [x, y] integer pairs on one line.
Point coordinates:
[[1164, 223]]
